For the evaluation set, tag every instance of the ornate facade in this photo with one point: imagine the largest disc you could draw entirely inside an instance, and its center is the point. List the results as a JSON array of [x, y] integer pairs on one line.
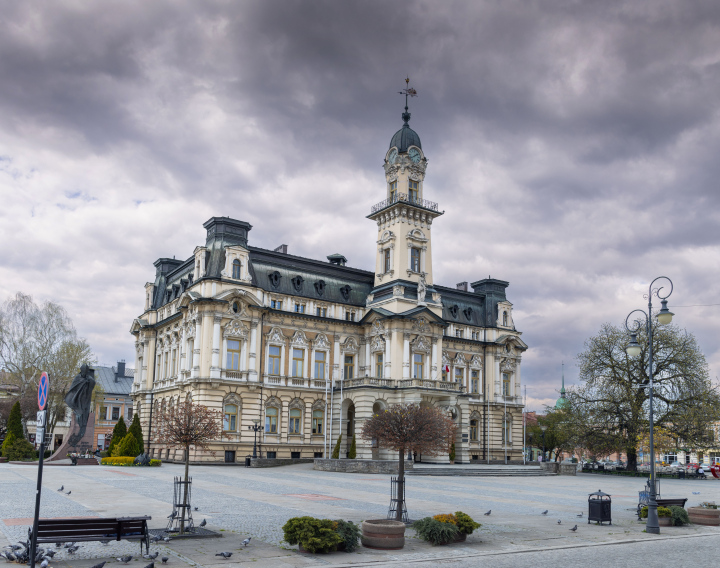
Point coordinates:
[[310, 349]]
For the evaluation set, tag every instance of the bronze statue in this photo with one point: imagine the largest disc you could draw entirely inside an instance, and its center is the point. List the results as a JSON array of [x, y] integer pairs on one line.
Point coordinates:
[[79, 399]]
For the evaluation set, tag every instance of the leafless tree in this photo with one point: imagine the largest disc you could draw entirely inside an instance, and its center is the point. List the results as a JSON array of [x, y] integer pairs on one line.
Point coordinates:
[[187, 425], [405, 428]]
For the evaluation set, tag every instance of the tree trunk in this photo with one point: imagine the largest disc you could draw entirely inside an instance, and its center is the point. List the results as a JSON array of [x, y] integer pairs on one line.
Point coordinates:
[[631, 459], [400, 485], [185, 490]]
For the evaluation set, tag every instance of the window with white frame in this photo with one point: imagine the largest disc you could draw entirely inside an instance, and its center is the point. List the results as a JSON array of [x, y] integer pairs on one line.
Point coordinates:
[[418, 365], [233, 355], [273, 360], [236, 269], [297, 362], [230, 417], [349, 368], [320, 360], [459, 375]]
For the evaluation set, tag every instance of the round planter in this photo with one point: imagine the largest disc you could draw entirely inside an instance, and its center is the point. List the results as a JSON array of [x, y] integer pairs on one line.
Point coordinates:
[[665, 521], [383, 534], [700, 516]]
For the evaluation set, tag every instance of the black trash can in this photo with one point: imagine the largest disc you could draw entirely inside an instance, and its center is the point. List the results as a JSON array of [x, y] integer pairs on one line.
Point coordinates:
[[681, 474], [248, 461], [599, 507]]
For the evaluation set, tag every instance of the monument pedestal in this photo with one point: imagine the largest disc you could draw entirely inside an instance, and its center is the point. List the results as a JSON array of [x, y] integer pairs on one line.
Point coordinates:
[[86, 443]]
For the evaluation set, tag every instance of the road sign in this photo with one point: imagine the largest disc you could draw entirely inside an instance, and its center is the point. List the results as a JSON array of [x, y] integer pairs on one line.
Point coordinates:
[[43, 388], [39, 435], [40, 422]]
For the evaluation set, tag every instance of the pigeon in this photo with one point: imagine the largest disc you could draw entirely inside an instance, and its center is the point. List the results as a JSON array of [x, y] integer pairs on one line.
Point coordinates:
[[69, 544], [172, 515], [152, 556], [17, 546], [196, 508], [580, 515], [98, 565], [224, 554], [574, 528], [62, 488], [545, 512], [559, 522], [125, 559], [204, 522], [68, 493], [44, 564], [73, 549], [151, 565], [59, 544], [155, 538], [164, 559], [167, 539], [246, 541], [488, 513], [7, 556], [50, 553]]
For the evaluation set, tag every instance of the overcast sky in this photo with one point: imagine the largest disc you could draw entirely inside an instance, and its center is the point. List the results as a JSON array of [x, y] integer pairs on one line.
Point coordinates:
[[573, 146]]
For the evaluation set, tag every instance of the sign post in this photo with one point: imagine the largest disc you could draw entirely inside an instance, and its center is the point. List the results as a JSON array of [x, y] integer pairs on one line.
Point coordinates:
[[43, 388]]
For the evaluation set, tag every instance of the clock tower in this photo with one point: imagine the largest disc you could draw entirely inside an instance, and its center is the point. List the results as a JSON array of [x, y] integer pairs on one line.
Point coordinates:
[[403, 265]]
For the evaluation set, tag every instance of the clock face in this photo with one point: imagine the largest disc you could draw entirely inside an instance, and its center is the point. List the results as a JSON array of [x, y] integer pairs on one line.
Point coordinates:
[[414, 154], [392, 156]]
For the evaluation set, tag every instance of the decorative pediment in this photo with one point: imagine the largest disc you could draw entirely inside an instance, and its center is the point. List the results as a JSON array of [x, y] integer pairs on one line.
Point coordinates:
[[476, 362], [386, 237], [296, 403], [377, 344], [235, 328], [445, 359], [350, 345], [318, 405], [299, 339], [139, 348], [232, 398], [273, 401], [421, 344], [377, 327], [459, 360], [475, 415], [417, 235], [508, 365], [275, 336], [421, 326], [321, 341]]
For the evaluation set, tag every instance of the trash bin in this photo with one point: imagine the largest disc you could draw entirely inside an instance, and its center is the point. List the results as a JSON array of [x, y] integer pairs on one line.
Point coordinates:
[[248, 461], [681, 474], [599, 507]]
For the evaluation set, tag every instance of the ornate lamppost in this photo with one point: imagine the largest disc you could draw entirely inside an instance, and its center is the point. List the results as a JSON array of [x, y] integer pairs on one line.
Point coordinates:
[[664, 316], [255, 428], [543, 428]]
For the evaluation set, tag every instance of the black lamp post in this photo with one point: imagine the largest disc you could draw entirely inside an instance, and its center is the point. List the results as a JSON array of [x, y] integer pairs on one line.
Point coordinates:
[[543, 428], [255, 428], [664, 316]]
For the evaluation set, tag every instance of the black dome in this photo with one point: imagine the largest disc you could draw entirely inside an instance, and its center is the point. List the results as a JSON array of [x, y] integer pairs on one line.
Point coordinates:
[[404, 138]]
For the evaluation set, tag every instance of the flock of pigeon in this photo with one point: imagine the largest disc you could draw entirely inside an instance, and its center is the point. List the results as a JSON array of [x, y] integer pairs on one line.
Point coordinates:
[[545, 512], [20, 552]]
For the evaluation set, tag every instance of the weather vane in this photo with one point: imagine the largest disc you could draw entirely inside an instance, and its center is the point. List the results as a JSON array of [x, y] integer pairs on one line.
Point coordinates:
[[408, 91]]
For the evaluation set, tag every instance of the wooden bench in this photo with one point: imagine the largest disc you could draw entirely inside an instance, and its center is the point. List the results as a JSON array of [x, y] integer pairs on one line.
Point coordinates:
[[679, 501], [83, 530]]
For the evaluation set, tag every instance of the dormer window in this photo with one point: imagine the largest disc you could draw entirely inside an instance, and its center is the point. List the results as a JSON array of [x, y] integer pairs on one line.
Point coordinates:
[[413, 191], [393, 191], [505, 319], [236, 269]]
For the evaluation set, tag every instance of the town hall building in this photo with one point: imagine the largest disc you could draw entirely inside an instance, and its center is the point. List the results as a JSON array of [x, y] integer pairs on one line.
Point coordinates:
[[309, 349]]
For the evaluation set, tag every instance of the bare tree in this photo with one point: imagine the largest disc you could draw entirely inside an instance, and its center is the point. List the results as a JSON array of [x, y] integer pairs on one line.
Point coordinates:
[[188, 425], [426, 430], [36, 338]]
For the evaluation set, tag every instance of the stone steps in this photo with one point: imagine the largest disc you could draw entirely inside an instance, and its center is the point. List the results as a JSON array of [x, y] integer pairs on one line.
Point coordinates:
[[488, 471]]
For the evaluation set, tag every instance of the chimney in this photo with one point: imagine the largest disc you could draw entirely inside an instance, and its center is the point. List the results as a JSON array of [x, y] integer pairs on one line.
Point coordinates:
[[281, 249], [120, 369], [337, 259], [462, 286]]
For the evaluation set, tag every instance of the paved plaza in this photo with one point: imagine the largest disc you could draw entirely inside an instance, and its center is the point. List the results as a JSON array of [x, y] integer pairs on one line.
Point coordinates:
[[240, 502]]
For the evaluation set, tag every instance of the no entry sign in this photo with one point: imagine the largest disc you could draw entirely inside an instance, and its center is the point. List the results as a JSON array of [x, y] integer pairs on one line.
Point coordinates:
[[43, 387]]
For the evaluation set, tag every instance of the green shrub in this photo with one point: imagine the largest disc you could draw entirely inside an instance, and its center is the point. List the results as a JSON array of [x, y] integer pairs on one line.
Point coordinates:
[[9, 441], [127, 447], [117, 461], [435, 532], [465, 523], [118, 433], [679, 516], [336, 450], [352, 454], [20, 450], [452, 452], [136, 431], [314, 535], [155, 463], [349, 533], [14, 423], [661, 511]]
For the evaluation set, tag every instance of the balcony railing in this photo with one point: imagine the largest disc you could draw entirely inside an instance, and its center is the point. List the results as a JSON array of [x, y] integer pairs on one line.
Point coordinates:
[[404, 198]]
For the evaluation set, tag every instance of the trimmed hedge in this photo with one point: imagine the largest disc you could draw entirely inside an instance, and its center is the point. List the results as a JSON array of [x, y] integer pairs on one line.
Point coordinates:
[[127, 461]]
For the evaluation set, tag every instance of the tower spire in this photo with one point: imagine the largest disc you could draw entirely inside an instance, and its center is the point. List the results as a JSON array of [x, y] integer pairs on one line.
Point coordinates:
[[562, 389], [408, 91]]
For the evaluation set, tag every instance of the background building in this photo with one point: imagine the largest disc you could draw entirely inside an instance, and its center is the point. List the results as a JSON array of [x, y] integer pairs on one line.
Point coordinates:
[[312, 348]]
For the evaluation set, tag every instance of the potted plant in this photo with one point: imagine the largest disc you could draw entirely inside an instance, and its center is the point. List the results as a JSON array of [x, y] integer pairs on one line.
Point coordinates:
[[707, 513], [311, 534], [445, 528]]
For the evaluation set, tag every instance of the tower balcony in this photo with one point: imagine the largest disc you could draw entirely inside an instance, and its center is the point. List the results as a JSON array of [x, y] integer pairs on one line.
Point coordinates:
[[404, 198]]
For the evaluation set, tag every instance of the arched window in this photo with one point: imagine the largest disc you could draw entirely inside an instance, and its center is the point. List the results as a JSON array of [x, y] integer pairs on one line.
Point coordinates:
[[230, 413], [236, 269], [505, 319], [295, 417], [318, 418], [271, 420], [473, 430]]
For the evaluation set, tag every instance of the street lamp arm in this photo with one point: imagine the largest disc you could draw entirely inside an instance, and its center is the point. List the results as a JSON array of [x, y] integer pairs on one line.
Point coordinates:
[[656, 291], [637, 323]]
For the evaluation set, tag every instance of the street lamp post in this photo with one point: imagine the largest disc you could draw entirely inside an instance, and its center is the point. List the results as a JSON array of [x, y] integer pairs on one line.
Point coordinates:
[[543, 428], [255, 428], [664, 316]]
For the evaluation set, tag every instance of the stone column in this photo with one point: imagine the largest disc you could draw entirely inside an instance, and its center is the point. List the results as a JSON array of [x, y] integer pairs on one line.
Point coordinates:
[[182, 351], [386, 359], [336, 358], [144, 369], [196, 347], [498, 377], [215, 360], [433, 364], [243, 354], [368, 363], [252, 375], [406, 356]]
